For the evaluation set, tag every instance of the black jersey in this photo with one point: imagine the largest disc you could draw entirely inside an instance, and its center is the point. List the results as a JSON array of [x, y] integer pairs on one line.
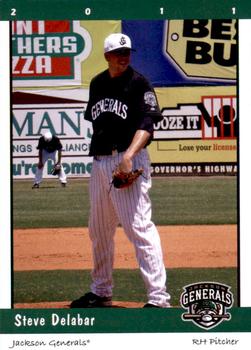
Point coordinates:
[[117, 108], [50, 146]]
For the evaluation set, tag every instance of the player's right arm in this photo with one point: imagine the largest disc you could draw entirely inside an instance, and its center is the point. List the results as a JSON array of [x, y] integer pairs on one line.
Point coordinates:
[[139, 141]]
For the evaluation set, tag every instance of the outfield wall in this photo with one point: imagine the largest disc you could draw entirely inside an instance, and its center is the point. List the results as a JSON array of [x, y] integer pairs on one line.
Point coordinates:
[[191, 64]]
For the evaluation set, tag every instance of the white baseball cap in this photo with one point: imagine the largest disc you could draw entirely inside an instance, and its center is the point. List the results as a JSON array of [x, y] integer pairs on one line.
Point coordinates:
[[48, 136], [117, 41]]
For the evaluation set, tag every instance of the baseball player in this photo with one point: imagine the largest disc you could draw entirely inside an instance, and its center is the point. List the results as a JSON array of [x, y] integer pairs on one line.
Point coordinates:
[[122, 108], [49, 147]]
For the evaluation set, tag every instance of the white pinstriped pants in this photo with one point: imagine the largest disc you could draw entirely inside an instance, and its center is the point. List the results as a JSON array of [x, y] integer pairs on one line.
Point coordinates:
[[131, 207]]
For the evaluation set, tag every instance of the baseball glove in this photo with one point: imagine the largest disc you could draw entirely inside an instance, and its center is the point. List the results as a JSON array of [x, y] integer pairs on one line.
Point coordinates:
[[56, 169], [121, 179]]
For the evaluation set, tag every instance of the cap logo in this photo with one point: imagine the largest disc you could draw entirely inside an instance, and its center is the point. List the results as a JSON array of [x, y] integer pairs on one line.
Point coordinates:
[[122, 40]]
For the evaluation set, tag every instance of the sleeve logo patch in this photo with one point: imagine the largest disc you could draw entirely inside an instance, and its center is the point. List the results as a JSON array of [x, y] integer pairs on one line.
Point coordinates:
[[150, 99]]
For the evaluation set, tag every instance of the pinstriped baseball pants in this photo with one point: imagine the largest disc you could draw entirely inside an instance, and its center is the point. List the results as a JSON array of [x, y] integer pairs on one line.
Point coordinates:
[[130, 207]]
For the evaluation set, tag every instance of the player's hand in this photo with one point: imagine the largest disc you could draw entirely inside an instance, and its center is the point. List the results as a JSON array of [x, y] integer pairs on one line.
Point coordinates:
[[126, 164]]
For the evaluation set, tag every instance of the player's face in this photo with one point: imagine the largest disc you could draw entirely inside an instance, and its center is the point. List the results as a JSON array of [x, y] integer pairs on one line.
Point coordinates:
[[118, 61]]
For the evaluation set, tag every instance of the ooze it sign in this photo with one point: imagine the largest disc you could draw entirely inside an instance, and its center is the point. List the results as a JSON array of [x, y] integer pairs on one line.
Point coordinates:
[[48, 52]]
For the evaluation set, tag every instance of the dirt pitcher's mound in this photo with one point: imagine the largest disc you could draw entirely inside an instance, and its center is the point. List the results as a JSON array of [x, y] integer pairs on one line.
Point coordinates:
[[70, 248]]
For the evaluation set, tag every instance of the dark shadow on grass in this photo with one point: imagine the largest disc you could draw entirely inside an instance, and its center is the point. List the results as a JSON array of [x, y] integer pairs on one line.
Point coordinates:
[[44, 188]]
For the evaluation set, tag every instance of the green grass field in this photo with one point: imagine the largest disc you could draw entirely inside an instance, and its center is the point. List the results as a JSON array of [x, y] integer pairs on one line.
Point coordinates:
[[176, 201], [38, 286]]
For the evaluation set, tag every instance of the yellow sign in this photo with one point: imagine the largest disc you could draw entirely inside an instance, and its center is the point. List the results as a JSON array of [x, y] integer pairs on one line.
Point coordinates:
[[96, 63], [193, 151], [179, 138], [203, 48]]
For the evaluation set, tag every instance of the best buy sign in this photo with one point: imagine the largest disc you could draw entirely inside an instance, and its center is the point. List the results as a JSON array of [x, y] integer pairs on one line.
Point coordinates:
[[203, 48]]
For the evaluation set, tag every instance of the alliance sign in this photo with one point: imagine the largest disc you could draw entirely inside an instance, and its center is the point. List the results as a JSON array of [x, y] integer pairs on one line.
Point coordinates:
[[66, 120]]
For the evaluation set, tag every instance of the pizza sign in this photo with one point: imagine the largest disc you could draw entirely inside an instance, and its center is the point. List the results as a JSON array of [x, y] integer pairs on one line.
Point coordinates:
[[48, 52]]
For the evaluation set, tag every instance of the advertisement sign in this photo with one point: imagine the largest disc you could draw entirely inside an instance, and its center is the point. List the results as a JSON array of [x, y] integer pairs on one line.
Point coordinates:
[[65, 119], [58, 53], [203, 48], [190, 63], [48, 52], [185, 52], [198, 136]]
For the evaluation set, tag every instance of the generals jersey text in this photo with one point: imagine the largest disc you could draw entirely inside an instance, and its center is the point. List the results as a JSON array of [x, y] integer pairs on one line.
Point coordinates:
[[117, 108], [109, 105]]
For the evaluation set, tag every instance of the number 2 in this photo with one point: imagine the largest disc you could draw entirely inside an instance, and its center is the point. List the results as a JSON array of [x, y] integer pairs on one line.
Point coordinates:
[[13, 12]]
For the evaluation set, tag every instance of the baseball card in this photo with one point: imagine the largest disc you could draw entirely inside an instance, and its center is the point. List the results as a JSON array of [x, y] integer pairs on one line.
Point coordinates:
[[124, 183]]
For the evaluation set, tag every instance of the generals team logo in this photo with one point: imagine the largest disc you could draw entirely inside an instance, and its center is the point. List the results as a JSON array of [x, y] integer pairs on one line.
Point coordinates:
[[206, 303]]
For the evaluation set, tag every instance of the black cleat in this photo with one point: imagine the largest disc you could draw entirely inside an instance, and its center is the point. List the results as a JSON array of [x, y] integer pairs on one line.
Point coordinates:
[[35, 186], [91, 300], [150, 305]]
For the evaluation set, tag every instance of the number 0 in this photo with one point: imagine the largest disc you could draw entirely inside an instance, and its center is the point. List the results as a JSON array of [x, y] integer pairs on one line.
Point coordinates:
[[13, 12], [88, 11]]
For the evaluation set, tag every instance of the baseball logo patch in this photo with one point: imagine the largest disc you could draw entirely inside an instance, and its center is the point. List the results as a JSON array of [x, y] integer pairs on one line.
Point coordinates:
[[150, 99], [206, 303]]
